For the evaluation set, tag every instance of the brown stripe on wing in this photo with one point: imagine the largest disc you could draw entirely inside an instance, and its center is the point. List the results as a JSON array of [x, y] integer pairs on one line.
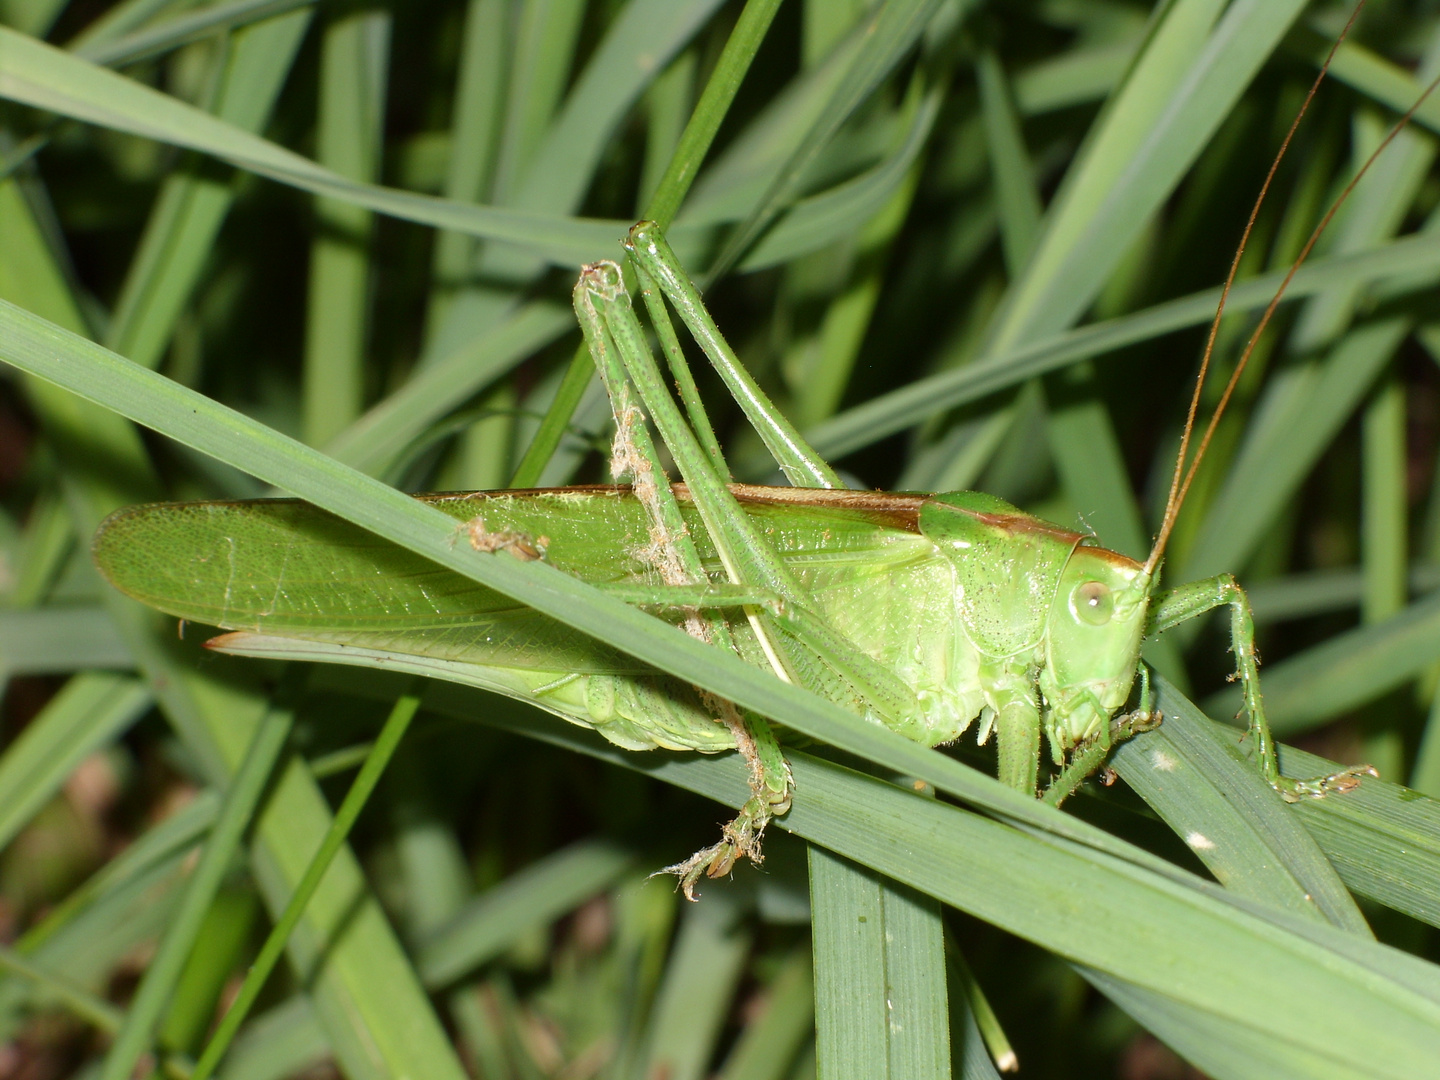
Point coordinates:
[[888, 508], [1028, 523], [572, 489], [885, 507]]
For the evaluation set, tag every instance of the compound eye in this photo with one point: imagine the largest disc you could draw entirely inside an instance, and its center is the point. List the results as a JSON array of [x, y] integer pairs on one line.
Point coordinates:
[[1092, 602]]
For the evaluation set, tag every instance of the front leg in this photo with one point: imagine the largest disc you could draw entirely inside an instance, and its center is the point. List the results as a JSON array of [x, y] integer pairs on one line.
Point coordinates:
[[1011, 691], [1189, 601], [1089, 757]]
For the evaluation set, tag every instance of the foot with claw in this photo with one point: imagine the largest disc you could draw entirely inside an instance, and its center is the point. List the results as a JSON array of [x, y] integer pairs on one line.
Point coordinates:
[[741, 840], [1134, 723], [1318, 787]]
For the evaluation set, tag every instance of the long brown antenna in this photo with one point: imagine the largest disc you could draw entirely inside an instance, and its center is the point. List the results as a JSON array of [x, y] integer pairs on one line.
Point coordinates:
[[1180, 482], [1275, 302]]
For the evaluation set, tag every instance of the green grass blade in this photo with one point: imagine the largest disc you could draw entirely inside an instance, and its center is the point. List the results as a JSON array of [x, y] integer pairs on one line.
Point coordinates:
[[888, 413], [1270, 466], [157, 986], [377, 440], [1383, 842], [376, 1018], [1383, 513], [49, 986], [474, 135], [642, 40], [535, 896], [1087, 455], [141, 44], [1318, 592], [61, 639], [130, 910], [179, 238], [221, 945], [1372, 75], [120, 19], [1197, 779], [40, 555], [1425, 772], [740, 174], [355, 799], [645, 913], [969, 862], [542, 46], [28, 276], [880, 1003], [770, 1041], [35, 74], [579, 376], [705, 966], [32, 16], [847, 906], [819, 360], [169, 840], [670, 192], [888, 34], [564, 163], [353, 72], [813, 223], [89, 713], [984, 1049], [1010, 169], [668, 105], [434, 876], [552, 173], [975, 1060], [1182, 86], [830, 355], [1081, 75], [278, 1043], [1220, 1049], [715, 100], [546, 162], [824, 24], [1372, 215]]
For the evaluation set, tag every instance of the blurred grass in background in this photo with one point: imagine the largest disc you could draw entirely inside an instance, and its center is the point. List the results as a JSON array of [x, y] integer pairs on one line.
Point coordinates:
[[964, 245]]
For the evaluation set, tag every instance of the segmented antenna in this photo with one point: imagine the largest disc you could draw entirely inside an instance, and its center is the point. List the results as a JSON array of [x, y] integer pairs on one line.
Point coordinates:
[[1180, 482]]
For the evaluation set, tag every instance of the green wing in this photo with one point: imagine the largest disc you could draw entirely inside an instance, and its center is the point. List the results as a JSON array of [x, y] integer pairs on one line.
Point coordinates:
[[285, 568]]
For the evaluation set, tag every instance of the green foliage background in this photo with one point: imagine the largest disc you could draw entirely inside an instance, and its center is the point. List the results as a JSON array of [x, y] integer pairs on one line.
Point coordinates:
[[966, 245]]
